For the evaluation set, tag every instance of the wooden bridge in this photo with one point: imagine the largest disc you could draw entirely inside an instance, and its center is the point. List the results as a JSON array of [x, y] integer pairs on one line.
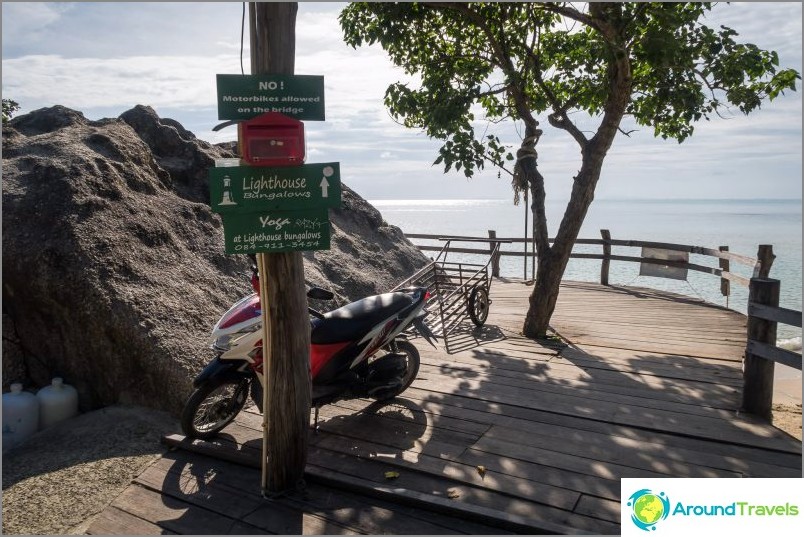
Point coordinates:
[[501, 435]]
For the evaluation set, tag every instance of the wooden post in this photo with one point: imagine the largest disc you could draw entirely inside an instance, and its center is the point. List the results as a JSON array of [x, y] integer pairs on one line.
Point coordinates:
[[286, 349], [757, 371], [765, 259], [495, 258], [725, 266], [604, 265]]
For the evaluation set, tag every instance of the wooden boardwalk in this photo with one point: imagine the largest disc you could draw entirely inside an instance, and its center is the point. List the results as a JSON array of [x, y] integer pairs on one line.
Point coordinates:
[[498, 435]]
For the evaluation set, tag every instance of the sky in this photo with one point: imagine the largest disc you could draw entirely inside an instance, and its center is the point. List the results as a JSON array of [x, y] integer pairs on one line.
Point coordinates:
[[104, 58]]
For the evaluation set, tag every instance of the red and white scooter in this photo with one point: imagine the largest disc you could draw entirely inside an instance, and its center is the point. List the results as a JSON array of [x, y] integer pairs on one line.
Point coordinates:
[[356, 351]]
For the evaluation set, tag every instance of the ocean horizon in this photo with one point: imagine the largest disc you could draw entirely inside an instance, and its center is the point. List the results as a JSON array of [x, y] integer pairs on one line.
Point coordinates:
[[741, 224]]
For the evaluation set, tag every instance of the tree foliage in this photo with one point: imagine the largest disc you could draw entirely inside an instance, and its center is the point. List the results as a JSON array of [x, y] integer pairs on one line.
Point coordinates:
[[9, 108], [683, 71], [517, 61]]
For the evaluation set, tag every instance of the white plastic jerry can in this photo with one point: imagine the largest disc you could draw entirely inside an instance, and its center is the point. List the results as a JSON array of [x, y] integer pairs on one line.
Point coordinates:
[[20, 416], [57, 402]]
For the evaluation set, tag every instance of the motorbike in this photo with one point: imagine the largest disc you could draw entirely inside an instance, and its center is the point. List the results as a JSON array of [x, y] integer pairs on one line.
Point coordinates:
[[359, 350]]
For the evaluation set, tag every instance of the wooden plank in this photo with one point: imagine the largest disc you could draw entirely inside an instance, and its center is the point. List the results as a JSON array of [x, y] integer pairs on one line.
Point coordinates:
[[774, 354], [599, 374], [556, 459], [778, 314], [599, 508], [657, 447], [335, 509], [628, 410], [453, 471], [225, 480], [736, 278], [608, 450], [172, 514], [207, 486], [566, 375], [200, 490], [722, 427], [572, 389], [491, 517], [533, 524], [533, 421], [628, 358], [621, 342], [114, 521], [536, 471]]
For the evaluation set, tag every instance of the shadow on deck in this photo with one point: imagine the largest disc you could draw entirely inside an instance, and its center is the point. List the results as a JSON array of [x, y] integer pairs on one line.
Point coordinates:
[[503, 434]]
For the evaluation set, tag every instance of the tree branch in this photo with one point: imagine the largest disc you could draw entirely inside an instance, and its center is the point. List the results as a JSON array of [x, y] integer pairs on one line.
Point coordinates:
[[571, 13], [502, 59], [494, 92]]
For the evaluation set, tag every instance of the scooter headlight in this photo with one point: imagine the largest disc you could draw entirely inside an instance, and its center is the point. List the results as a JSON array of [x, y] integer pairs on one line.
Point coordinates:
[[225, 342]]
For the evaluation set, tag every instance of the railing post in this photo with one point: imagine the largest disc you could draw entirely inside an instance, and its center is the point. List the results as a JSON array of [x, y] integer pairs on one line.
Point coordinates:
[[757, 371], [765, 259], [725, 266], [495, 257], [604, 266]]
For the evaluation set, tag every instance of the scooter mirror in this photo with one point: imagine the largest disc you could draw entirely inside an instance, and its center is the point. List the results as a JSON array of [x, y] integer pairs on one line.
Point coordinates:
[[317, 293]]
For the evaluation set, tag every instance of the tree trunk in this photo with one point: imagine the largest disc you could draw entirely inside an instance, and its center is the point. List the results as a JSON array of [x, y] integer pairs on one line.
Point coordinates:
[[553, 260], [287, 362], [543, 299]]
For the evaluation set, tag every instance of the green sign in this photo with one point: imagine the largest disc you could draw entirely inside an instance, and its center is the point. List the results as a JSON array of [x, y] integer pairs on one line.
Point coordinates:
[[243, 189], [276, 231], [247, 96]]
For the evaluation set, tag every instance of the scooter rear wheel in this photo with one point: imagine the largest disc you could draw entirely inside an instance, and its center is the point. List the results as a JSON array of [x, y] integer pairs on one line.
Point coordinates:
[[213, 406], [412, 370]]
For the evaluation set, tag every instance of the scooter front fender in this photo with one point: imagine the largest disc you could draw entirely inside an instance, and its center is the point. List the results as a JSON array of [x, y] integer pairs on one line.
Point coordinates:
[[219, 368]]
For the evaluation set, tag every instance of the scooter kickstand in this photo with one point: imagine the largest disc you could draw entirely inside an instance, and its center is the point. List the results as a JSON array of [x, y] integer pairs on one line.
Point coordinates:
[[315, 420]]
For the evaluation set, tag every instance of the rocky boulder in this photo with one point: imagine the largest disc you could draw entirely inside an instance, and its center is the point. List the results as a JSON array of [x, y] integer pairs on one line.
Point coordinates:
[[113, 263]]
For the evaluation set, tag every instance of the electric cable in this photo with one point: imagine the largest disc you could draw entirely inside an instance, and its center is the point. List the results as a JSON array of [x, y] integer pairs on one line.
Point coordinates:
[[242, 33]]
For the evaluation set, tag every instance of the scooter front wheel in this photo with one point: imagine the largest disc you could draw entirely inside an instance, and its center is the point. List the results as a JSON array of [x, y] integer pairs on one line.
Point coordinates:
[[213, 406]]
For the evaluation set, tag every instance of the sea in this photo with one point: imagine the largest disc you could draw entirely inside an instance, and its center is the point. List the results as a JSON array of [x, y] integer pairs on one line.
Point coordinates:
[[742, 225]]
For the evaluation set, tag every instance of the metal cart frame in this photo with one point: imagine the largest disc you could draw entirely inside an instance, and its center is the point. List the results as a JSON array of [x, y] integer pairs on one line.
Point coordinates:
[[460, 289]]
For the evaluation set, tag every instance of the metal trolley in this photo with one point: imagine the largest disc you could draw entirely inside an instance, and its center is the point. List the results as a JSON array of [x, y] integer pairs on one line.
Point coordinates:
[[459, 289]]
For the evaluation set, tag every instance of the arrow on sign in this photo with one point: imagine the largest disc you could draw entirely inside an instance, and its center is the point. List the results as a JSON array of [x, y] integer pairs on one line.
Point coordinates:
[[324, 188]]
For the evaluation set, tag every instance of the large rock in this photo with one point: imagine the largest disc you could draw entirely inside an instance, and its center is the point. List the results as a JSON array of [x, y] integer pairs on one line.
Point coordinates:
[[113, 264]]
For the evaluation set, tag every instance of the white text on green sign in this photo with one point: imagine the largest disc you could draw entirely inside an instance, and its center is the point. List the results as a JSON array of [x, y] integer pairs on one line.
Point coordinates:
[[247, 96], [244, 189], [276, 231]]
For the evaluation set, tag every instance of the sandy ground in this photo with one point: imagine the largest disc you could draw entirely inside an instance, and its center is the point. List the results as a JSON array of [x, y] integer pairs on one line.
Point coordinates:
[[788, 419], [787, 389], [63, 477]]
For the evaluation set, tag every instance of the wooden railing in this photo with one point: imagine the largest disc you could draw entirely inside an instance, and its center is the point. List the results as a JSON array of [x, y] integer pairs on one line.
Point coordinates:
[[761, 352], [761, 264], [764, 313]]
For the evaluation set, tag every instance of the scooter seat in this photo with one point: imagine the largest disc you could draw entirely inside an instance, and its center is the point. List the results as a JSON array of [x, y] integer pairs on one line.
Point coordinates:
[[353, 321]]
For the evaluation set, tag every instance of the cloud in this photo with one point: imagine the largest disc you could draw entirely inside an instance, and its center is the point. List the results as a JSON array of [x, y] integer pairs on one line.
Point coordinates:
[[52, 54], [25, 22], [177, 81]]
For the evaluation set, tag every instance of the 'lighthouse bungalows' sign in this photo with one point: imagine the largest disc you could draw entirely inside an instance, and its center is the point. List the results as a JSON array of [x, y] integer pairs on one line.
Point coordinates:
[[242, 189]]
